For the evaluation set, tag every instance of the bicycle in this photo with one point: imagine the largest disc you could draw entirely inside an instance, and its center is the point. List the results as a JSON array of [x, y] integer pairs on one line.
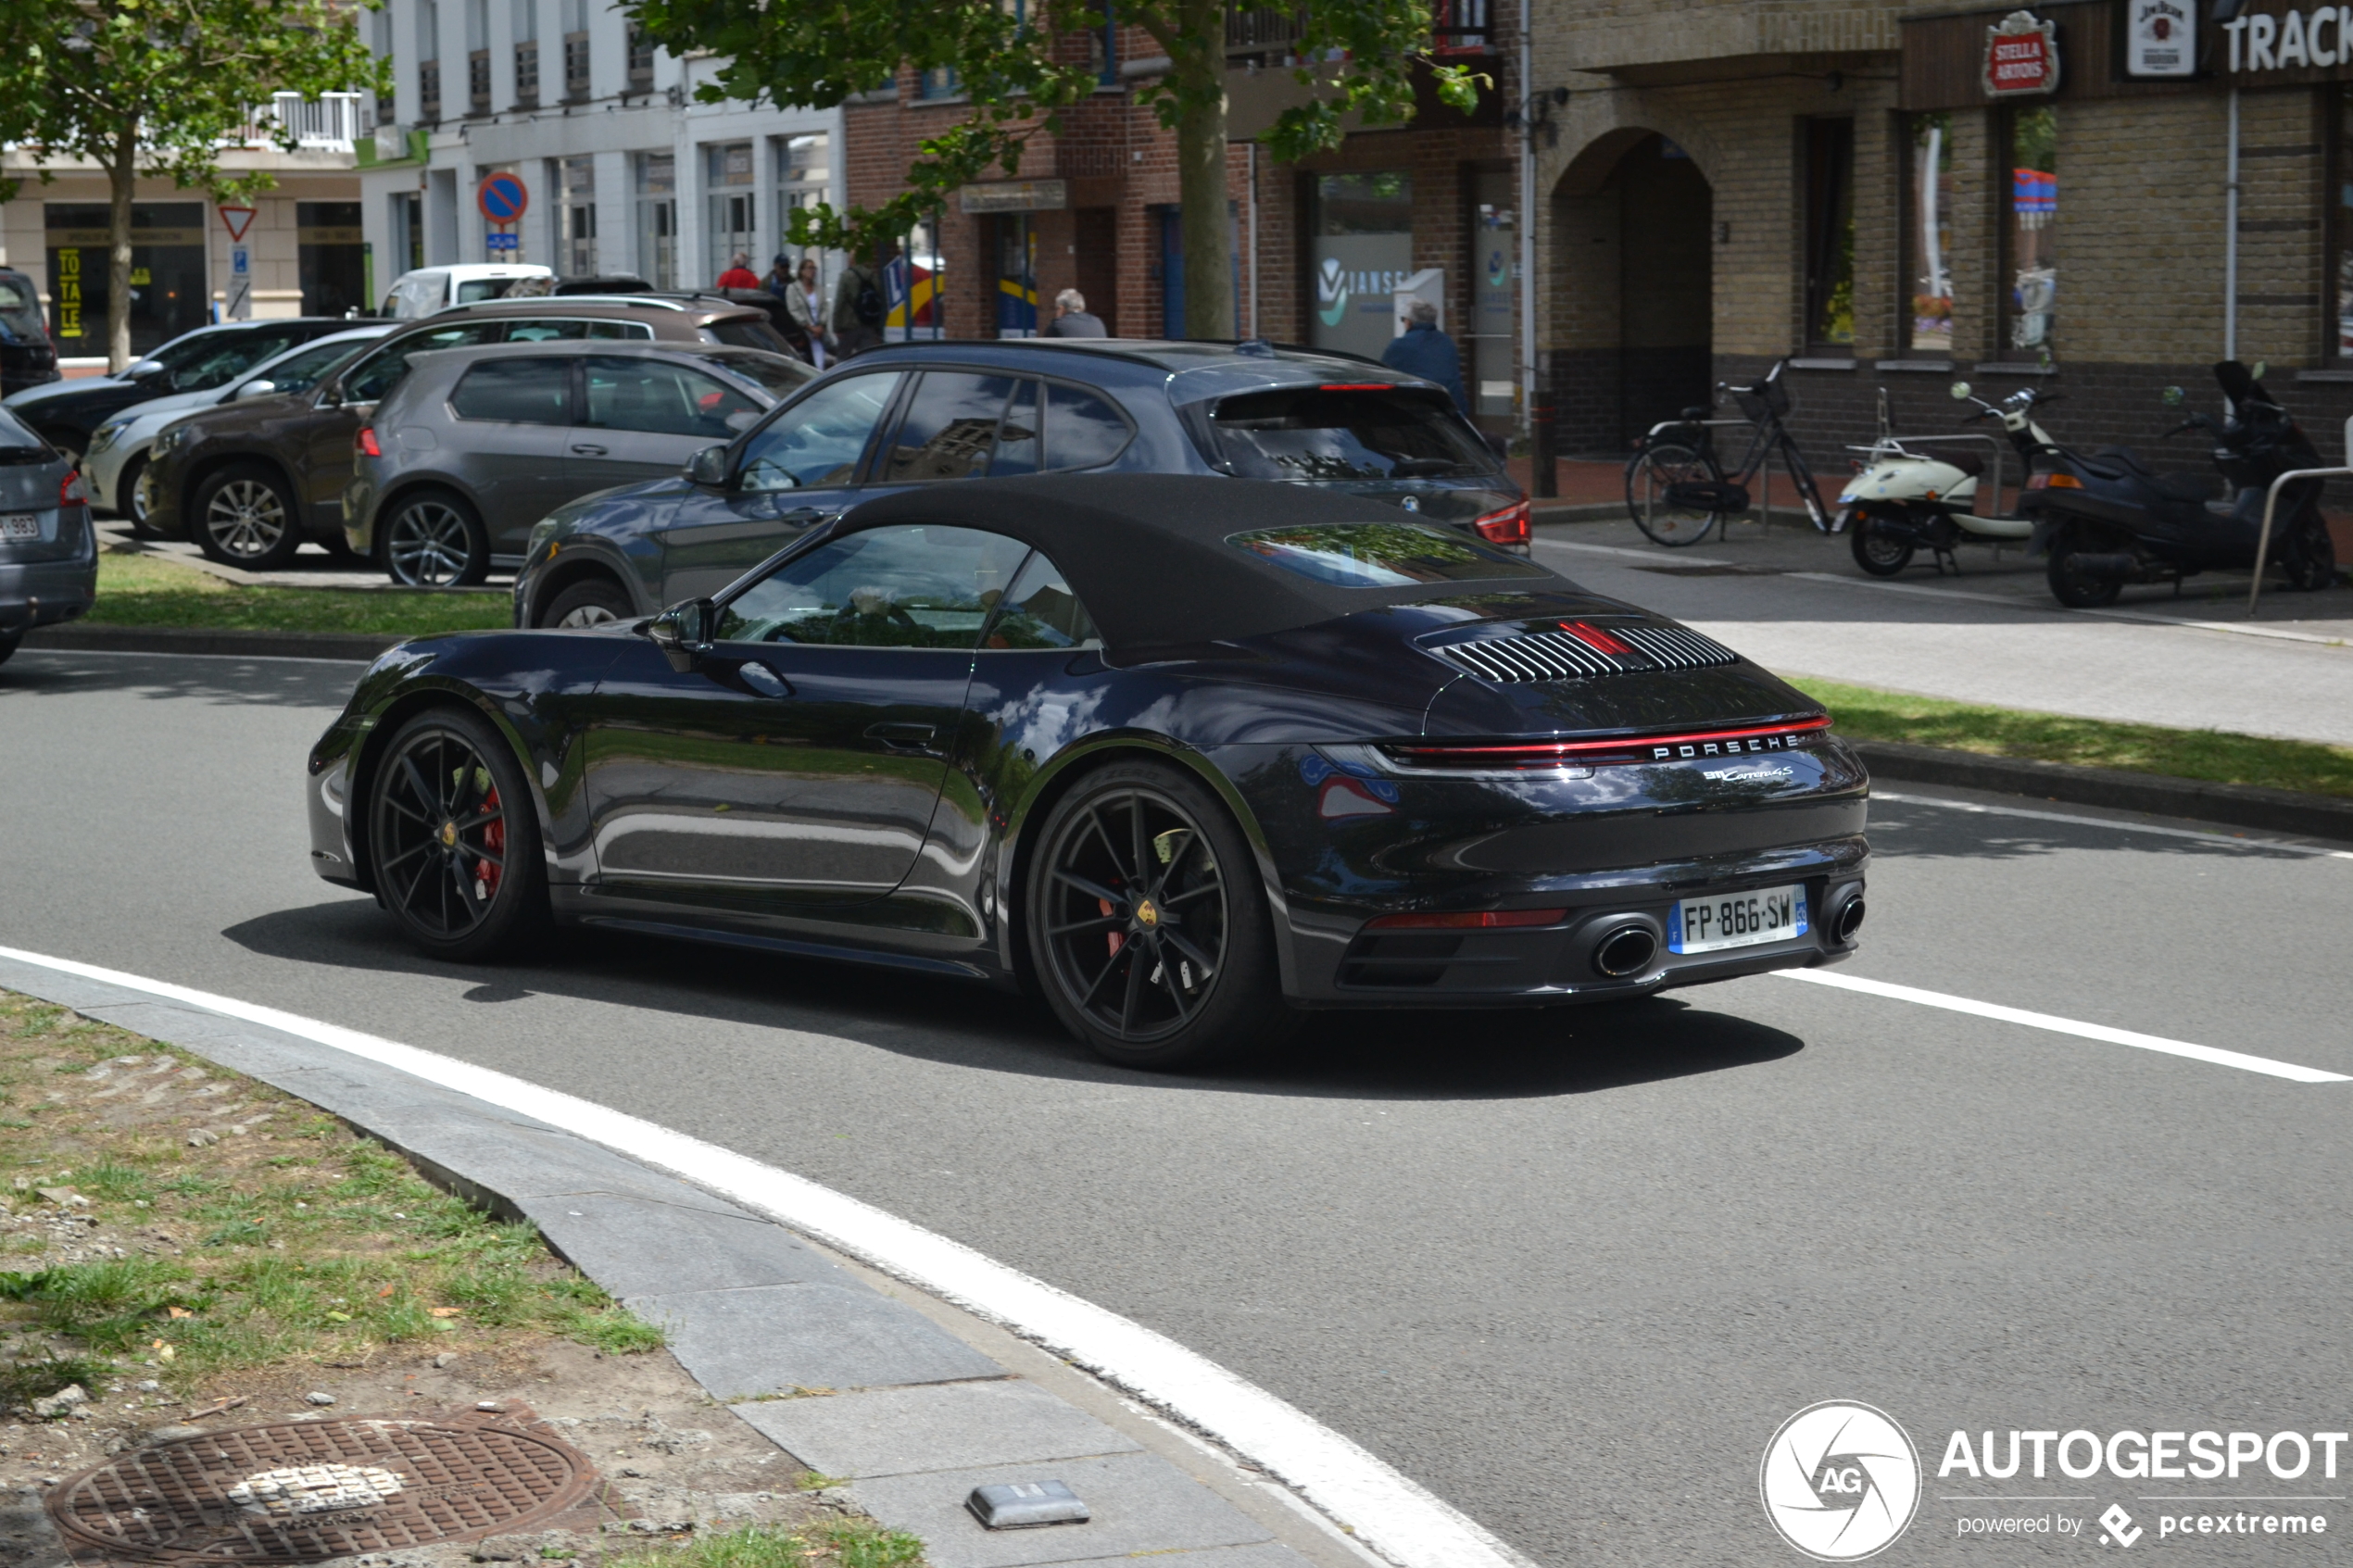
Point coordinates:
[[1675, 486]]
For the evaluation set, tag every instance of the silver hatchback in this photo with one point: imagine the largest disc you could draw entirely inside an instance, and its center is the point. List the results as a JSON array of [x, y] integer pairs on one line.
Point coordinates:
[[48, 551], [472, 447]]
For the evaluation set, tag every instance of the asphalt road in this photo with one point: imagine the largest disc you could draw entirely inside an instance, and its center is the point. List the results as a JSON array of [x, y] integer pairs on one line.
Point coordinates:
[[1570, 1269]]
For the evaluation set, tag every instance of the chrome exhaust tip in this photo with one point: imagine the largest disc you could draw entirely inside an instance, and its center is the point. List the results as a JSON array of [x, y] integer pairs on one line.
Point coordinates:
[[1625, 951], [1848, 921]]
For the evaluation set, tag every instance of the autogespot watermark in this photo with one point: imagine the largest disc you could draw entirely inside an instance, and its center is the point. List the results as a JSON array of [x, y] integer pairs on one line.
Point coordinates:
[[1841, 1482]]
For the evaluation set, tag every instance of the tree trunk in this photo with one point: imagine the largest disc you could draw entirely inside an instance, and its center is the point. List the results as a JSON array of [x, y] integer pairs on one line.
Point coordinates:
[[122, 175], [1204, 226]]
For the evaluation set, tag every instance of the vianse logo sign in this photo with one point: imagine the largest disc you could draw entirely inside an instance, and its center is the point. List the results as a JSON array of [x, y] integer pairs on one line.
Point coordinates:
[[1840, 1481], [1331, 292]]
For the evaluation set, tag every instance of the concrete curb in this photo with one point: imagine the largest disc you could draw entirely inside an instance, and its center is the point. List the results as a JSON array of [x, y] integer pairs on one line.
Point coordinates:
[[909, 1402], [359, 647], [2272, 810]]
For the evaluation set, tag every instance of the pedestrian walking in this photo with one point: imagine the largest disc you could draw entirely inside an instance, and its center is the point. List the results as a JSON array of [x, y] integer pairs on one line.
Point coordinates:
[[779, 279], [1423, 349], [858, 310], [739, 274], [1072, 318], [804, 298]]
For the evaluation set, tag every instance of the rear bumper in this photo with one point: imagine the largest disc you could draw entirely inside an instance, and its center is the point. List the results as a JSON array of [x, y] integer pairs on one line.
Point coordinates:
[[43, 593]]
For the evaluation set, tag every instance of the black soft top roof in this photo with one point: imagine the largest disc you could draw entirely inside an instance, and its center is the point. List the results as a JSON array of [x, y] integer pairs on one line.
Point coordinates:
[[1146, 553]]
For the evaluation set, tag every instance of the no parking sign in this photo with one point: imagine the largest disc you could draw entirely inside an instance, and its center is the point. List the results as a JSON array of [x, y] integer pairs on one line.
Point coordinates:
[[502, 198]]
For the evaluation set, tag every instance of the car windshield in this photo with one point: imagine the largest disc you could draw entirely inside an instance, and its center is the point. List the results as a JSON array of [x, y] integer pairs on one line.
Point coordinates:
[[228, 358], [300, 371], [1381, 555], [749, 331], [483, 288], [20, 313], [782, 376], [1320, 432], [18, 443]]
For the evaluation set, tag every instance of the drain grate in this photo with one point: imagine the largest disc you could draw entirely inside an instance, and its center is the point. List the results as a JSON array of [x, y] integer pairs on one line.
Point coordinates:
[[306, 1492]]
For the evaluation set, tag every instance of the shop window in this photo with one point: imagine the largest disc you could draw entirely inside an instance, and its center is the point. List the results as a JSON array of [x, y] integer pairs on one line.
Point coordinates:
[[1926, 307], [167, 288], [1830, 235], [1363, 248], [658, 219], [1494, 250], [2338, 300], [2029, 235], [331, 257], [732, 215]]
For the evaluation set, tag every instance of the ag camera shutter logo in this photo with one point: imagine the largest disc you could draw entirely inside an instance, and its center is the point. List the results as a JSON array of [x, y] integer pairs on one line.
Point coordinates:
[[1840, 1481]]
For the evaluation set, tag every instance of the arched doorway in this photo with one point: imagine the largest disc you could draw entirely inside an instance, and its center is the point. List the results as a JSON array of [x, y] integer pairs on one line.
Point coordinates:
[[1635, 226]]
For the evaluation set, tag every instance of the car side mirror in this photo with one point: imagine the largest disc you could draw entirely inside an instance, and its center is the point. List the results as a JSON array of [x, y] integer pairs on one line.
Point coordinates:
[[261, 388], [145, 370], [2174, 396], [709, 468], [1960, 391], [682, 632]]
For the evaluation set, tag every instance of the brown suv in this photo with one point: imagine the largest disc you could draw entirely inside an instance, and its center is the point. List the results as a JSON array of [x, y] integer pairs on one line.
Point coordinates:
[[249, 481]]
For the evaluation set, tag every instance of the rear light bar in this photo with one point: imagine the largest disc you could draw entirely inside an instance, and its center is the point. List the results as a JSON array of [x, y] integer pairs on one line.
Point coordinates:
[[71, 491], [1472, 920], [364, 444], [1623, 748], [1506, 527]]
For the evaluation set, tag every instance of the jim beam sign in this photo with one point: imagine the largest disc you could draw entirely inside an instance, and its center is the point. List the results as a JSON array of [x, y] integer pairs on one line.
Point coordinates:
[[2160, 38], [2021, 56]]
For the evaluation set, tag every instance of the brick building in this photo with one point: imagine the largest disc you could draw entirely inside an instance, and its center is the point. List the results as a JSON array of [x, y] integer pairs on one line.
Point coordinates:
[[1318, 246], [1737, 181]]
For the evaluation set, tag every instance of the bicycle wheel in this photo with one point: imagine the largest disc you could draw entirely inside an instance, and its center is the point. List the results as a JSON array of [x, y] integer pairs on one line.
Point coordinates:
[[1649, 475]]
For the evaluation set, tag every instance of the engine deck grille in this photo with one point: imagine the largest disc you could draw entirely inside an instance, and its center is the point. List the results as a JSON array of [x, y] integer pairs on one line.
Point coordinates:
[[1564, 655]]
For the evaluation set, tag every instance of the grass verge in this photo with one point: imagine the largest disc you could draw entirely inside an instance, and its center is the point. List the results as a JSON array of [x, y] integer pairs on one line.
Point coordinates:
[[850, 1543], [164, 1213], [154, 591], [2214, 756]]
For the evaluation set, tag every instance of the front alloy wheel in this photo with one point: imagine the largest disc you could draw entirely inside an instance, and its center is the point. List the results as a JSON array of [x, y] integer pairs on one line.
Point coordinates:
[[454, 848], [245, 518], [1151, 935]]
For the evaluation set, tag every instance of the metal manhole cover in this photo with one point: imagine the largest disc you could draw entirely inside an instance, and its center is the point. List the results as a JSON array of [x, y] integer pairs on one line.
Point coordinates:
[[307, 1490]]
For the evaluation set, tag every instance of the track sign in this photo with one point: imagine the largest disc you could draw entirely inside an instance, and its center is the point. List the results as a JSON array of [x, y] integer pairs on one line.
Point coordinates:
[[237, 219], [502, 198]]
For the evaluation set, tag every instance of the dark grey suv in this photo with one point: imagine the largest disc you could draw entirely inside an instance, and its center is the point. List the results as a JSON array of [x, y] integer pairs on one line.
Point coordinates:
[[474, 446], [940, 412]]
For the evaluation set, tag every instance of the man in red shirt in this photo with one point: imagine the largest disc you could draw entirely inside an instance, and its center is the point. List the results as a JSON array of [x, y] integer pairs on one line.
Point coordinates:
[[739, 274]]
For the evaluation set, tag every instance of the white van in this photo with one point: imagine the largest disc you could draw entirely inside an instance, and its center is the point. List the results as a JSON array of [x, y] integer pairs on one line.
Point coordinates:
[[430, 290]]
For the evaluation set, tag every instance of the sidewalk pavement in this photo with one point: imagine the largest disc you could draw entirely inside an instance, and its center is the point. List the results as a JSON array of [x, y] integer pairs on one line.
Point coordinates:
[[907, 1402], [1794, 601]]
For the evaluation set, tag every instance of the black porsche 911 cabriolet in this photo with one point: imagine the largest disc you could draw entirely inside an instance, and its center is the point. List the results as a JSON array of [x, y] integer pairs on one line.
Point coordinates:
[[1186, 755]]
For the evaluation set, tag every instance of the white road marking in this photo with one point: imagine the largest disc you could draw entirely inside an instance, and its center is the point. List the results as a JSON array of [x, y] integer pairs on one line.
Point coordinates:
[[2065, 1025], [1385, 1508], [2228, 841]]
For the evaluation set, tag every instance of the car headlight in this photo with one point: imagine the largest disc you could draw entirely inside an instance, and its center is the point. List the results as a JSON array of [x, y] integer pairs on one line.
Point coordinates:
[[540, 533], [171, 437], [104, 436]]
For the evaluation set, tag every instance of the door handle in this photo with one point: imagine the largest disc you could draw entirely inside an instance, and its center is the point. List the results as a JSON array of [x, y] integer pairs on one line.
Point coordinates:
[[589, 450], [902, 737]]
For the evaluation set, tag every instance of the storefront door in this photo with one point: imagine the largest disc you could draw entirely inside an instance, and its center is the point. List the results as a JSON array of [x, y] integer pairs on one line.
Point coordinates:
[[168, 292]]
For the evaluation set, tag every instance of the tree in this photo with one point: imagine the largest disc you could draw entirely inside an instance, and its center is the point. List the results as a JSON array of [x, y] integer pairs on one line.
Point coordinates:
[[160, 88], [1023, 67]]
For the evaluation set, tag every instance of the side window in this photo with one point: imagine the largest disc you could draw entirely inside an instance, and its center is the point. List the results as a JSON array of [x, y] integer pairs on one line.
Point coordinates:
[[1082, 430], [234, 355], [300, 372], [748, 332], [524, 391], [1017, 436], [819, 439], [636, 331], [374, 376], [539, 329], [885, 588], [661, 398], [1040, 611], [949, 428]]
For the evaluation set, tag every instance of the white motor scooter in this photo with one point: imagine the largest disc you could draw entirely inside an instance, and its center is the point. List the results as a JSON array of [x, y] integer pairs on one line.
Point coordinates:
[[1903, 500]]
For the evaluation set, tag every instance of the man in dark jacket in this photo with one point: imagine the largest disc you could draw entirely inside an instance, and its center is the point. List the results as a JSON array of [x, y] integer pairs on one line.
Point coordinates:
[[1423, 350], [859, 309], [1072, 318]]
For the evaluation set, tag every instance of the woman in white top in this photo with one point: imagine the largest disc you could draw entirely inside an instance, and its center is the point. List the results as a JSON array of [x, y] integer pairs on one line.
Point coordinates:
[[806, 300]]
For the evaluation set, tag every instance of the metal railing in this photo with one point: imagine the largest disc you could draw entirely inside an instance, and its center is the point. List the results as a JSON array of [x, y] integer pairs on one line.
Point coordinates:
[[1263, 28], [575, 66], [478, 82], [331, 122], [2270, 504], [429, 91], [527, 73]]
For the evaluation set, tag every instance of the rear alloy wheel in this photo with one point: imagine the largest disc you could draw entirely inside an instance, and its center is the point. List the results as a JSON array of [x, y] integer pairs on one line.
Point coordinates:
[[593, 601], [453, 838], [1151, 935], [1879, 549], [2072, 586], [433, 540], [246, 517]]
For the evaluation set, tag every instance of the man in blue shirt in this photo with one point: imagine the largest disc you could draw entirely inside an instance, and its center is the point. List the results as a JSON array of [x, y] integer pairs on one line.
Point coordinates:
[[1423, 350]]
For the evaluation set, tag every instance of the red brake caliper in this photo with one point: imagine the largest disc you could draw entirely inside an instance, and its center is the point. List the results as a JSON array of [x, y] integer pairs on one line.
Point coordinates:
[[1117, 937], [493, 839]]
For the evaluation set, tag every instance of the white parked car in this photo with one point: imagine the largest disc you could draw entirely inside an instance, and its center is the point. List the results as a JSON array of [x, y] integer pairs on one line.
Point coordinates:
[[430, 290], [119, 448]]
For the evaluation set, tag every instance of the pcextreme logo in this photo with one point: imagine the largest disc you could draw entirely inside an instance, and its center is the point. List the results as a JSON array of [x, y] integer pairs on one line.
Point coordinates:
[[1840, 1481], [1331, 292]]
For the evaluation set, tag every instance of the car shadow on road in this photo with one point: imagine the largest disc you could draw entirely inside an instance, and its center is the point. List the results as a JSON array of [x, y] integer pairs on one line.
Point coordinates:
[[273, 682], [1919, 830], [1401, 1054]]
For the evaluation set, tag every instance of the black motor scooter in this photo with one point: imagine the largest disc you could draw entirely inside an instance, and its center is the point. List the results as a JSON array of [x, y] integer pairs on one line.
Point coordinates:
[[2107, 520]]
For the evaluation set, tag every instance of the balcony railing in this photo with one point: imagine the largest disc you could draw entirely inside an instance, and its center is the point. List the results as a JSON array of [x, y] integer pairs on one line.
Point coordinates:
[[1267, 30], [478, 82], [527, 74], [329, 123], [575, 65], [641, 60], [428, 92]]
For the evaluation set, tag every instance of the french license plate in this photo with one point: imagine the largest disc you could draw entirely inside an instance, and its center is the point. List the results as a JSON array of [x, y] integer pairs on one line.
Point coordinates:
[[1736, 920], [20, 525]]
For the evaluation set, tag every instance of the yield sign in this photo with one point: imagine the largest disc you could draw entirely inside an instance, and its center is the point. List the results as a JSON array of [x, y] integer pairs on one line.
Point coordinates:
[[238, 219]]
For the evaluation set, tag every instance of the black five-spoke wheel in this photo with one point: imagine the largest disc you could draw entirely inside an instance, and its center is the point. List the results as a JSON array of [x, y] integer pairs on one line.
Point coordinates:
[[453, 843], [1149, 931]]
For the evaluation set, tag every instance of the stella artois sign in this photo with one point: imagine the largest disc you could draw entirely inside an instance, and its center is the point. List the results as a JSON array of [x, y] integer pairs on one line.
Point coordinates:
[[2021, 56]]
